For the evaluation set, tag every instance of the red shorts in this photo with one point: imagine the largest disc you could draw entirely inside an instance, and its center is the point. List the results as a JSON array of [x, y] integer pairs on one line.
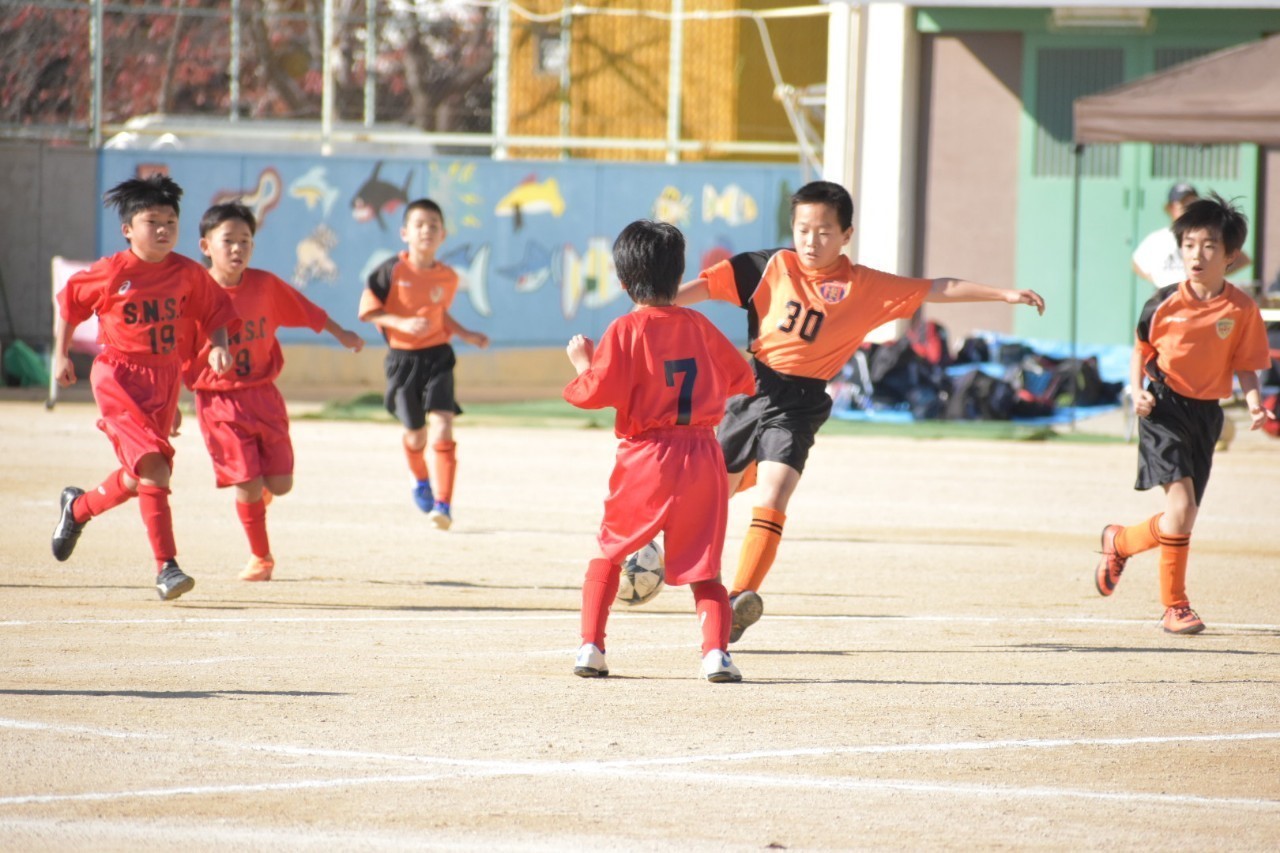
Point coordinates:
[[247, 433], [670, 481], [137, 402]]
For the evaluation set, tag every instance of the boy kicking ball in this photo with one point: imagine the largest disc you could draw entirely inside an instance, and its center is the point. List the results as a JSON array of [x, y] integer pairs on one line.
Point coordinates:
[[667, 371]]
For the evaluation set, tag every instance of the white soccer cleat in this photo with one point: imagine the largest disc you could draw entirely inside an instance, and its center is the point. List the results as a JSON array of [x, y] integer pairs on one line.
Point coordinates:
[[591, 662], [718, 667]]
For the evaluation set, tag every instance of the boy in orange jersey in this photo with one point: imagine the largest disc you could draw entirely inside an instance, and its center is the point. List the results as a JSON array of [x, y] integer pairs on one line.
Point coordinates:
[[150, 302], [408, 298], [241, 413], [1191, 338], [808, 309], [668, 371]]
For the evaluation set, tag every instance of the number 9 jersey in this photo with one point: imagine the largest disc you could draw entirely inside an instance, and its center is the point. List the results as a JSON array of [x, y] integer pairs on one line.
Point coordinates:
[[804, 322]]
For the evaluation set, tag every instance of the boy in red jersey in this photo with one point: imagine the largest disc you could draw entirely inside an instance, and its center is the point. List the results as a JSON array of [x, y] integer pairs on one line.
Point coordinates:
[[150, 302], [808, 309], [241, 413], [668, 372], [1190, 339], [408, 298]]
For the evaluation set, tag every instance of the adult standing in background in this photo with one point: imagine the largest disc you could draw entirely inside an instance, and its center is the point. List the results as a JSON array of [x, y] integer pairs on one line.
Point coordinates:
[[1158, 258]]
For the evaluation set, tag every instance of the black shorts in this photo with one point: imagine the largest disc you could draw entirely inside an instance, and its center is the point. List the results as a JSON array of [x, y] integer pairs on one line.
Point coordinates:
[[1176, 440], [420, 381], [777, 423]]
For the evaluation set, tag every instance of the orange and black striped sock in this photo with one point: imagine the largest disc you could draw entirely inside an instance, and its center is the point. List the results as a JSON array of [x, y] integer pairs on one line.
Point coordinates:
[[599, 589], [417, 462], [1174, 550], [446, 469], [1142, 536], [759, 548]]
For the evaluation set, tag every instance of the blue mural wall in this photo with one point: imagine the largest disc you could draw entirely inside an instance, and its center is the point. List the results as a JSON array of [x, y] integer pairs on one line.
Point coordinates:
[[531, 241]]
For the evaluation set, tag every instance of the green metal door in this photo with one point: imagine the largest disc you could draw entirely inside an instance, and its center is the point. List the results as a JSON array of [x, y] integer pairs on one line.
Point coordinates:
[[1123, 188]]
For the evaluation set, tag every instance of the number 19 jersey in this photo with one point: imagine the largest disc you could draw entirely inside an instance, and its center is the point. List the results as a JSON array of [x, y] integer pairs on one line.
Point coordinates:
[[804, 322]]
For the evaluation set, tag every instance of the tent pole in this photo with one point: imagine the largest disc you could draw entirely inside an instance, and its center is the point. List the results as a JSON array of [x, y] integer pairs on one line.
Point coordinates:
[[1075, 269]]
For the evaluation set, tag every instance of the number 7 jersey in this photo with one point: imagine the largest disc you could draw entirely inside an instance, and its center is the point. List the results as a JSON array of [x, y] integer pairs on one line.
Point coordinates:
[[804, 322], [662, 366]]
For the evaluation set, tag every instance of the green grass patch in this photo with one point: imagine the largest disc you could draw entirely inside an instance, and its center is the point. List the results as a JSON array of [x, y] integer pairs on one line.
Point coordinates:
[[559, 414]]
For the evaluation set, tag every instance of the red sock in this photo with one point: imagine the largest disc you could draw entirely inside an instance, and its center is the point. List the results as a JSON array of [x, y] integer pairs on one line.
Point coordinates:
[[446, 467], [599, 589], [153, 501], [712, 602], [110, 494], [417, 462], [254, 519]]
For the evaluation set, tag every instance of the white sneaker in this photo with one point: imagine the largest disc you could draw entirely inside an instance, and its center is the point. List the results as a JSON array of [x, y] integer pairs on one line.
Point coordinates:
[[591, 662], [718, 667]]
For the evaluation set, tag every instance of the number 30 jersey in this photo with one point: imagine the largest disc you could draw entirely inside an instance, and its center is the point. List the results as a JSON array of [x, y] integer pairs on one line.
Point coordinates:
[[804, 322], [265, 303], [662, 366]]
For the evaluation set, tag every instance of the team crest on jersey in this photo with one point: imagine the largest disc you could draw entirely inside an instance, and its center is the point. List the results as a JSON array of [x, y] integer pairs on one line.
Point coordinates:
[[1225, 325], [833, 291], [124, 288], [437, 293]]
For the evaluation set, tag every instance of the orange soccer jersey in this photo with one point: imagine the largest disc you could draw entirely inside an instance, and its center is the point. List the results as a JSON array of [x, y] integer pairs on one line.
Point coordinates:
[[264, 303], [805, 322], [399, 288], [1195, 346]]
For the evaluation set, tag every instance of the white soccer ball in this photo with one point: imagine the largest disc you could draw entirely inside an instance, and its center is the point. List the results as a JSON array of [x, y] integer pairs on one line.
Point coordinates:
[[642, 575]]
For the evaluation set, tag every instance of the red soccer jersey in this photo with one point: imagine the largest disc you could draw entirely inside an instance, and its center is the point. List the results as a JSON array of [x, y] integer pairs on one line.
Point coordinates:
[[148, 312], [659, 367], [264, 303], [400, 288], [1195, 346], [804, 322]]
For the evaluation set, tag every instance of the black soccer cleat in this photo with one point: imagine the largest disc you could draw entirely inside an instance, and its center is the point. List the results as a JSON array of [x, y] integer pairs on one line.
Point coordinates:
[[173, 582], [68, 529]]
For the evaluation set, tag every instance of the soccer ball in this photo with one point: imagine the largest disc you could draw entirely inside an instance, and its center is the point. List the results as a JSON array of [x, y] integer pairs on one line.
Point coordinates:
[[642, 575]]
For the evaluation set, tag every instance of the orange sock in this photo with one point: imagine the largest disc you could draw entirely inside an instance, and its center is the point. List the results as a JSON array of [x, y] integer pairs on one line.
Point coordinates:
[[1174, 550], [1140, 537], [253, 517], [446, 468], [599, 589], [417, 462], [758, 549]]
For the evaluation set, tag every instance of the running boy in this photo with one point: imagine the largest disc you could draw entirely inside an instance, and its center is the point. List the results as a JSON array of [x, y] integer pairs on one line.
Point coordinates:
[[668, 372], [241, 413], [808, 309], [408, 298], [151, 304], [1191, 338]]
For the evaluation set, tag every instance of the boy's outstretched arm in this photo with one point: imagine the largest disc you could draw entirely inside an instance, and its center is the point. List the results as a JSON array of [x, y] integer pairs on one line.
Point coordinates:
[[959, 290], [384, 320], [346, 337], [476, 339], [580, 350], [1258, 414], [693, 292], [1144, 402]]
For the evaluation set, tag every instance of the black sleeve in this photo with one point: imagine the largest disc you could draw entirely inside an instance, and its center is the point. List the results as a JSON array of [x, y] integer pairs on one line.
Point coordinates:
[[748, 271], [1149, 310], [380, 279]]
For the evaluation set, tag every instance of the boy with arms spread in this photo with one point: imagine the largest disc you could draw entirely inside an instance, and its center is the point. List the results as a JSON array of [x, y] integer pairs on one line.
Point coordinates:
[[408, 298], [241, 412], [1191, 338], [668, 372], [808, 310], [151, 302]]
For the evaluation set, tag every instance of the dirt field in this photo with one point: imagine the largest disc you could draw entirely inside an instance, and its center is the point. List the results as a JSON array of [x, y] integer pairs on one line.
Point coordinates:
[[934, 668]]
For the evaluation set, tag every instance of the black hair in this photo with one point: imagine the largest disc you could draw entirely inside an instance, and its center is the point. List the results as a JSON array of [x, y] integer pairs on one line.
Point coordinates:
[[422, 204], [832, 195], [135, 195], [649, 258], [1217, 215], [220, 213]]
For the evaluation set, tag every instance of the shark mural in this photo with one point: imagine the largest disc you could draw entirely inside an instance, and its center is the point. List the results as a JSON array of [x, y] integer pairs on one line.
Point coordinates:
[[376, 198], [314, 190], [531, 196]]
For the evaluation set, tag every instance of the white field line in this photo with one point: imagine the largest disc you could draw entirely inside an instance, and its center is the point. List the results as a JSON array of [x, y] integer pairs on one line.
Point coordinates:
[[568, 616], [653, 767]]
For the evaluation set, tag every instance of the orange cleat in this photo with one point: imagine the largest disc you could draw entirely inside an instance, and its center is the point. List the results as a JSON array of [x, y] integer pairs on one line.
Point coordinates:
[[258, 569], [1181, 619], [266, 497], [1107, 574]]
